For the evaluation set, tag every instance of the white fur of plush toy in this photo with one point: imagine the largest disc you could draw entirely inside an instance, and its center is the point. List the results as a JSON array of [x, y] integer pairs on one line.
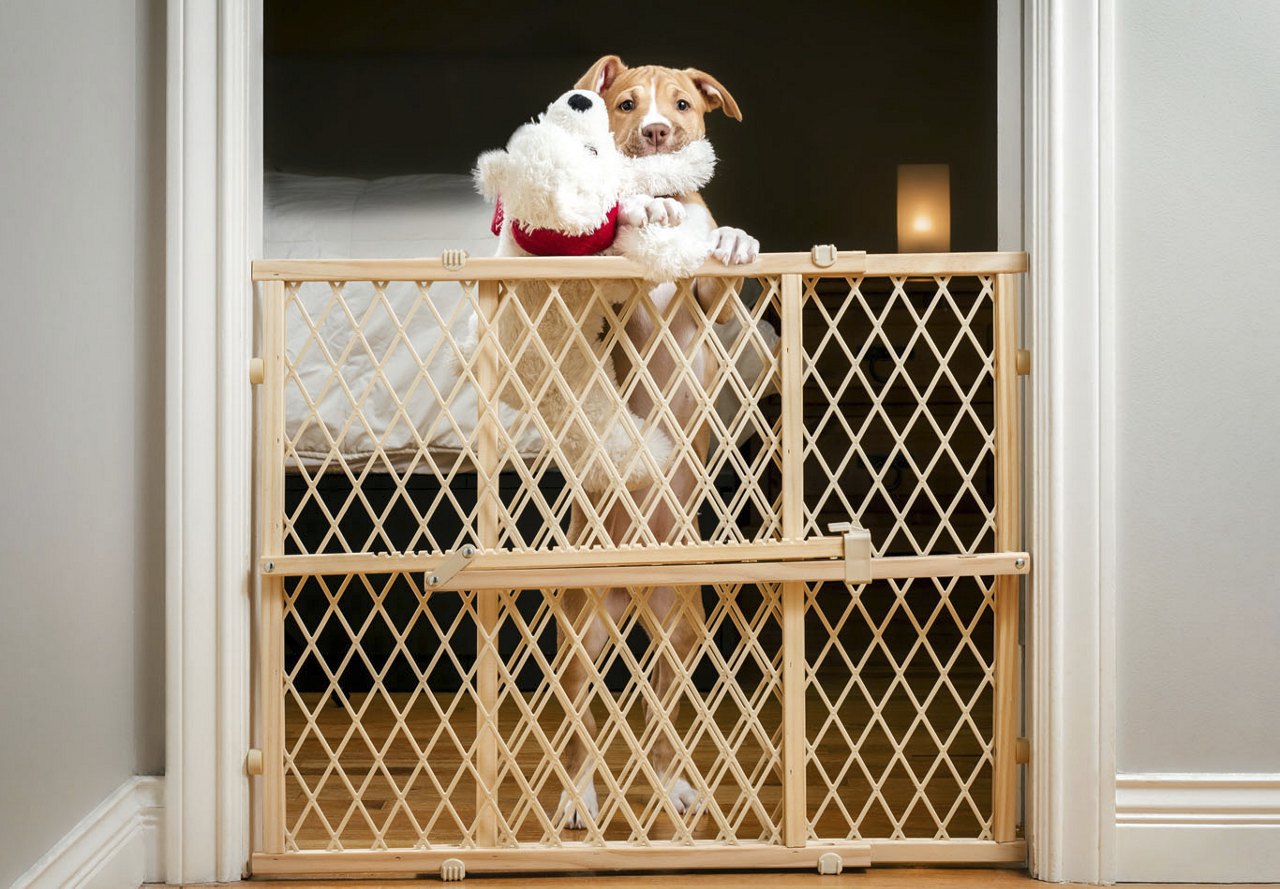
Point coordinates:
[[564, 173], [562, 176]]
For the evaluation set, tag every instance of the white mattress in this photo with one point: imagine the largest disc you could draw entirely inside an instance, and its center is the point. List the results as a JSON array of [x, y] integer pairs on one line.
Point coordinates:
[[326, 217]]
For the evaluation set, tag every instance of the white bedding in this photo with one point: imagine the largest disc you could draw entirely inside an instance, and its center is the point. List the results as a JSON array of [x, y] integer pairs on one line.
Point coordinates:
[[326, 217]]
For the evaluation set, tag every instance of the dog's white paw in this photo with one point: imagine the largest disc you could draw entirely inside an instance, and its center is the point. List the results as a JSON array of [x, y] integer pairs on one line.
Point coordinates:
[[683, 797], [733, 246], [575, 817], [664, 211]]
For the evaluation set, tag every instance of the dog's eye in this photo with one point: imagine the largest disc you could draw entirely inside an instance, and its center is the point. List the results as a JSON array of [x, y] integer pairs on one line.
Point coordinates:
[[626, 105], [682, 105]]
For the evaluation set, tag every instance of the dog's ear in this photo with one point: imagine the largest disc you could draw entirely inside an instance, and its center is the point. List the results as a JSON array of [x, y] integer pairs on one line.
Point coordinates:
[[601, 74], [714, 92]]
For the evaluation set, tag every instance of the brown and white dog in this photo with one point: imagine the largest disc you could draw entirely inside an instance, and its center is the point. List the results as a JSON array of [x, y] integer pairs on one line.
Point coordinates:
[[655, 109]]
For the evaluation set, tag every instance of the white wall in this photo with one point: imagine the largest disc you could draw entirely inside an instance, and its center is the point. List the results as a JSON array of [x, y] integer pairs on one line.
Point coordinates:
[[1198, 385], [81, 395]]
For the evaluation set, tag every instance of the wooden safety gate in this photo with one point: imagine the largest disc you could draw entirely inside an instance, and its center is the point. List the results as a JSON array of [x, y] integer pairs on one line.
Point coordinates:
[[562, 571]]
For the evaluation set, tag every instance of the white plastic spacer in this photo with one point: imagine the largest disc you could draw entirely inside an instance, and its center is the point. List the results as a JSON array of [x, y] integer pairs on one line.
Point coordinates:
[[452, 870], [454, 259], [830, 864], [857, 550], [823, 255]]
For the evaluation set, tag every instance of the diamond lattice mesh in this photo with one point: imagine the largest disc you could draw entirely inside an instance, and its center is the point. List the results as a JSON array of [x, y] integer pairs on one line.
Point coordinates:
[[397, 393], [382, 698], [383, 416], [899, 417]]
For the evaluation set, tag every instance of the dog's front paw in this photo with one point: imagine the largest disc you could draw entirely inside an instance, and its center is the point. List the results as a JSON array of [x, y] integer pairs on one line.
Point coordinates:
[[578, 817], [684, 799], [664, 211], [733, 246]]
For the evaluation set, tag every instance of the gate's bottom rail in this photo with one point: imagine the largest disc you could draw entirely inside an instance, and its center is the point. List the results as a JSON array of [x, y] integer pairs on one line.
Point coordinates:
[[582, 857]]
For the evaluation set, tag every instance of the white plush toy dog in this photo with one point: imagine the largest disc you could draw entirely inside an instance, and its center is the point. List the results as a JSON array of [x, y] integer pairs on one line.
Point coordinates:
[[563, 189]]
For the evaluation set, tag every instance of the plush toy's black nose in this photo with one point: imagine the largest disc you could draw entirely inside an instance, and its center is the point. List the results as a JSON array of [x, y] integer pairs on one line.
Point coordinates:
[[579, 102]]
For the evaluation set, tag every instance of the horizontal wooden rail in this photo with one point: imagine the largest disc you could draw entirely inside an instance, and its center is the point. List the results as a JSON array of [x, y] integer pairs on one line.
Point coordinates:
[[583, 857], [509, 268], [575, 857], [709, 565]]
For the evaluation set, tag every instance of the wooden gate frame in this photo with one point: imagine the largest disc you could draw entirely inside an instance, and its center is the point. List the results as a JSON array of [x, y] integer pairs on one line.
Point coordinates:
[[790, 562]]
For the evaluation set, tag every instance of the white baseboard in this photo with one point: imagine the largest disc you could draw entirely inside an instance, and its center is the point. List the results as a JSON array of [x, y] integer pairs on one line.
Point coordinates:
[[1219, 828], [119, 845]]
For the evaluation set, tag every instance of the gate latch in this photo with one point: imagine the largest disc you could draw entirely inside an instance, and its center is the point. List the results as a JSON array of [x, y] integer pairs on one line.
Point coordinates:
[[450, 565], [857, 550]]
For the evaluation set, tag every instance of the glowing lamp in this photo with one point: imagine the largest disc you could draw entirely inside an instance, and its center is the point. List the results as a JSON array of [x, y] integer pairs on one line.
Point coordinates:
[[924, 208]]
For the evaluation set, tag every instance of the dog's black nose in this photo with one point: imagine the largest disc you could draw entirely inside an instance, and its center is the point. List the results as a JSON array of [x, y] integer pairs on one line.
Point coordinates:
[[579, 102]]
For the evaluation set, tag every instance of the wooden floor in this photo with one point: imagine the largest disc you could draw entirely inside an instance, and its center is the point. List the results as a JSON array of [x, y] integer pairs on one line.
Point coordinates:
[[888, 878]]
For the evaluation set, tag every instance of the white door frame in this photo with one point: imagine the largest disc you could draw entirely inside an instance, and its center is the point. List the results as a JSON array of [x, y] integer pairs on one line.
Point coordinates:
[[214, 213], [1071, 602], [214, 230]]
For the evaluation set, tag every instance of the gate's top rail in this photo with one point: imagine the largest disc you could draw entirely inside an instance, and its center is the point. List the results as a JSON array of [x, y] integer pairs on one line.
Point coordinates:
[[506, 268]]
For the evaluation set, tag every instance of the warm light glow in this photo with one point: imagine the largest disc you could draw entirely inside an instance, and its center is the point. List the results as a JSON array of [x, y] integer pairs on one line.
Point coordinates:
[[924, 208]]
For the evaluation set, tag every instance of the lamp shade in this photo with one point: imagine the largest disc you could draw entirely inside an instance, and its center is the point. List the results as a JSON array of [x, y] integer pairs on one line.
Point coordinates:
[[924, 208]]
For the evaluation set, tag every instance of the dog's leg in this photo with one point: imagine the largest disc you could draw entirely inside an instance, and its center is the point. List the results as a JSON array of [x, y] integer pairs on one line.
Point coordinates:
[[582, 615], [678, 615], [732, 246], [580, 751]]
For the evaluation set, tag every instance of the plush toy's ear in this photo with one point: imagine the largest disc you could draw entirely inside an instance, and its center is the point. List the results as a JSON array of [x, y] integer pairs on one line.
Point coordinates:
[[601, 74], [491, 170], [714, 92]]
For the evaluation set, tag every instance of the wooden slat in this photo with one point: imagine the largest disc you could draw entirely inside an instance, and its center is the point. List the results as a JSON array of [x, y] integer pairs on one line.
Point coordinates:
[[888, 568], [271, 529], [795, 820], [341, 563], [576, 857], [1008, 536], [884, 852], [488, 428], [507, 268], [848, 262], [946, 263], [869, 853]]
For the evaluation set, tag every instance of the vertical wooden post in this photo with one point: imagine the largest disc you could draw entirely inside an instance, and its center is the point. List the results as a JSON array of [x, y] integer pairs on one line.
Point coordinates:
[[1008, 538], [487, 470], [271, 528], [795, 818]]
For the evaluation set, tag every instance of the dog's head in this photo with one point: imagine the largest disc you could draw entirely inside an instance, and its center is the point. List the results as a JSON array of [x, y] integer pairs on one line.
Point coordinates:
[[654, 109]]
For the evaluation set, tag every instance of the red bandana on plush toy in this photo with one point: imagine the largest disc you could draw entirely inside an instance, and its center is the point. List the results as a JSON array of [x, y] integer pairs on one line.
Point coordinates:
[[549, 242]]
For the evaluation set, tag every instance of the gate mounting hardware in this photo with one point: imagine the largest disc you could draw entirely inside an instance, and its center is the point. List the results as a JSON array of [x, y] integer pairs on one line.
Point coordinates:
[[857, 550], [823, 255], [450, 565], [454, 259]]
